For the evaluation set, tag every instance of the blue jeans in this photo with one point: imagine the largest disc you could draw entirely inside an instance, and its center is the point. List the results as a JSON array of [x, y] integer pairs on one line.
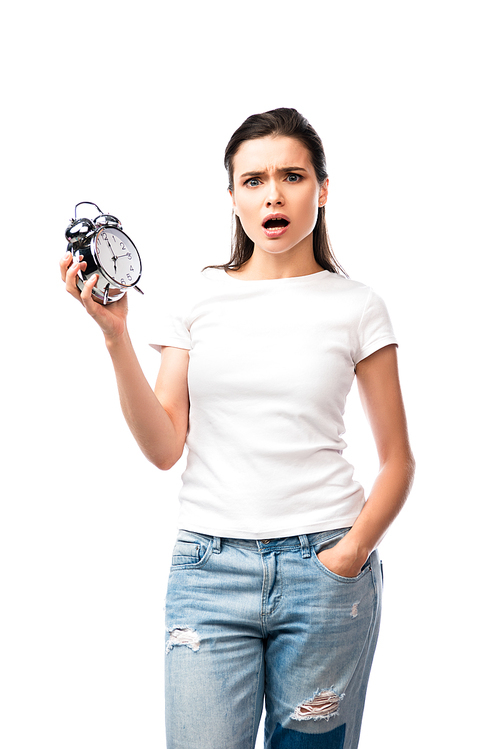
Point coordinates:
[[248, 621]]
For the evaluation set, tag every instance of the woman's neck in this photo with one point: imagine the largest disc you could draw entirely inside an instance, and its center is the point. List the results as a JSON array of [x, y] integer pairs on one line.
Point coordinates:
[[263, 266]]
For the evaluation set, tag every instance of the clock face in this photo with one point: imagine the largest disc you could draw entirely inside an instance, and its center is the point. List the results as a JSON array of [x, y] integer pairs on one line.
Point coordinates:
[[117, 256]]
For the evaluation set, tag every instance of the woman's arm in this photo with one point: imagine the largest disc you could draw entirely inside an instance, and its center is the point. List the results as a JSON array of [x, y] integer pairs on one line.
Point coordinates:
[[380, 392], [158, 420]]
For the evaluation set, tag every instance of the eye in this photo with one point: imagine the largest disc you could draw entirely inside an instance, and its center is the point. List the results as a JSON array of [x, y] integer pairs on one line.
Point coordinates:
[[292, 177], [252, 182]]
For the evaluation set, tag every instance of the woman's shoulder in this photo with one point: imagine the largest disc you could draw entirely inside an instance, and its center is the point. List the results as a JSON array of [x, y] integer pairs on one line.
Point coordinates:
[[348, 286]]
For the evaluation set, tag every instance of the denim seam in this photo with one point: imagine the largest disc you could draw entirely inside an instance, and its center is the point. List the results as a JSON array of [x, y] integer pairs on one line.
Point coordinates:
[[256, 723], [264, 613], [369, 631]]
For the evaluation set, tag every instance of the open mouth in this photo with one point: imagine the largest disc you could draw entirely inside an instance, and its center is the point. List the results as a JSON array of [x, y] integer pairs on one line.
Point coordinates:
[[275, 223]]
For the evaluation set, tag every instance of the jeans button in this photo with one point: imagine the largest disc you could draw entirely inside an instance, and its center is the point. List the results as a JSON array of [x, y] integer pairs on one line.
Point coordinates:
[[266, 542]]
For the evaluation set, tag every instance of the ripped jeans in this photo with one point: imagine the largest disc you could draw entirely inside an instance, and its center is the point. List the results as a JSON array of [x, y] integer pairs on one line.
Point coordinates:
[[248, 621]]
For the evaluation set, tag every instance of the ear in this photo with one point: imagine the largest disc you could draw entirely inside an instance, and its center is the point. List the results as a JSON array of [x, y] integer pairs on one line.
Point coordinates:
[[234, 202], [323, 193]]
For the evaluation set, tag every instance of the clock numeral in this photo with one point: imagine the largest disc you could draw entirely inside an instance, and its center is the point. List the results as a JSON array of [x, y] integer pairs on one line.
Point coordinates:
[[129, 276], [104, 236], [131, 269], [122, 246]]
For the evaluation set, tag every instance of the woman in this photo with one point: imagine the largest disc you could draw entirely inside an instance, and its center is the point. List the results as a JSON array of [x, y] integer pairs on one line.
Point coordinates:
[[274, 590]]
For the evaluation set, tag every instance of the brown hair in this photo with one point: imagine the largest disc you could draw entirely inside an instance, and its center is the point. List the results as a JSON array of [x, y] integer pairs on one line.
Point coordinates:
[[289, 123]]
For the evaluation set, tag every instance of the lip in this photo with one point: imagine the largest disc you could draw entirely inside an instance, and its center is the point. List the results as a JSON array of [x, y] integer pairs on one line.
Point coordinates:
[[279, 231]]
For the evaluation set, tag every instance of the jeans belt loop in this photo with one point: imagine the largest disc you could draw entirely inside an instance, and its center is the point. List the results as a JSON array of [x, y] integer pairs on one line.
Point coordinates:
[[216, 544], [306, 549]]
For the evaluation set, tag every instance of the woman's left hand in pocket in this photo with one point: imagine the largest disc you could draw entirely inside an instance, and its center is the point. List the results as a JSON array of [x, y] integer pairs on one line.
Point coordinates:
[[343, 559]]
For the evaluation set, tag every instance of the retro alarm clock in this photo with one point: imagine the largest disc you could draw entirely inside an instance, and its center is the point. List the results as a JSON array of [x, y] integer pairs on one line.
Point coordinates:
[[108, 251]]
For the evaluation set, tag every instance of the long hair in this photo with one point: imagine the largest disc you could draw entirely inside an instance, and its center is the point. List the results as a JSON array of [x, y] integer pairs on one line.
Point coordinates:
[[289, 123]]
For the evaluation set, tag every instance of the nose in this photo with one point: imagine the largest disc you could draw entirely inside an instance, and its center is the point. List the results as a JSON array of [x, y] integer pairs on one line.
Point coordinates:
[[274, 195]]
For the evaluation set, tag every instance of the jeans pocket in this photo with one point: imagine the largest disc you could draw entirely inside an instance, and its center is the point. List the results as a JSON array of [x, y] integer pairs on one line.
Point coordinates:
[[365, 568], [190, 550], [185, 553], [329, 544]]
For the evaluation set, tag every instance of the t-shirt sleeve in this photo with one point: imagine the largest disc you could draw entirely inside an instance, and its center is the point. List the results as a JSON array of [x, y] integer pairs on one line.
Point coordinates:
[[169, 329], [169, 319], [374, 330]]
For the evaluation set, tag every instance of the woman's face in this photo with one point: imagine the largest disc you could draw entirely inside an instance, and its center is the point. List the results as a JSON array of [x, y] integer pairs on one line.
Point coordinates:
[[276, 194]]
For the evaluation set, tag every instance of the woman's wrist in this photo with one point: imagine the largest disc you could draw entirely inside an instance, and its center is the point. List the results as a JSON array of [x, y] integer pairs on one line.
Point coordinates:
[[354, 549], [117, 340]]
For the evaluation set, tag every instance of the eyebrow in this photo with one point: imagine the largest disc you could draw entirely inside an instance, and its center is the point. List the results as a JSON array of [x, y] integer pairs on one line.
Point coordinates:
[[281, 169]]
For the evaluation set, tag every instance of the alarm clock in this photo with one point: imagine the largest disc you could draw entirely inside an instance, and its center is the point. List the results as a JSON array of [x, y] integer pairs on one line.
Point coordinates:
[[108, 251]]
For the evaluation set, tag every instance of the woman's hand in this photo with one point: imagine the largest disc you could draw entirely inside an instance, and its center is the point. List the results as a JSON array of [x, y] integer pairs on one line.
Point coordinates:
[[344, 559], [110, 318]]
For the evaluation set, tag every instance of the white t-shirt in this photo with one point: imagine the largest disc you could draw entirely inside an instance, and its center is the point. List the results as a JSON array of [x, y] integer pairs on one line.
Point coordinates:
[[270, 366]]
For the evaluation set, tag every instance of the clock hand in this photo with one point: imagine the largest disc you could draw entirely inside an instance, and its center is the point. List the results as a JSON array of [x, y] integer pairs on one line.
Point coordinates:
[[112, 251], [113, 256]]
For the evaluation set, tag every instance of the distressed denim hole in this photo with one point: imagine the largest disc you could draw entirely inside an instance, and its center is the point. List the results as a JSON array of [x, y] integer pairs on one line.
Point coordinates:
[[323, 705], [183, 636]]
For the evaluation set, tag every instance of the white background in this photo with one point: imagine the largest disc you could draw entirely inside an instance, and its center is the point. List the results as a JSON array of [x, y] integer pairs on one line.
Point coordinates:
[[130, 106]]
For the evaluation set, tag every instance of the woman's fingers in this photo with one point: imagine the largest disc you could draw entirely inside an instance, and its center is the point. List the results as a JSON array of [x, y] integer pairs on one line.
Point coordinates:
[[86, 297], [69, 272], [111, 321], [64, 264]]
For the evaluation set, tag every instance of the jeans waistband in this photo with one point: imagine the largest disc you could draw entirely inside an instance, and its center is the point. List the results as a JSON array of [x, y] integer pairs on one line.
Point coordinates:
[[288, 543]]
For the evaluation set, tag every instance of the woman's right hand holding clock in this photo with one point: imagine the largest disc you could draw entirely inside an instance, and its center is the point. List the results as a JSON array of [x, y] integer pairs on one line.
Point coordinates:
[[110, 318]]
